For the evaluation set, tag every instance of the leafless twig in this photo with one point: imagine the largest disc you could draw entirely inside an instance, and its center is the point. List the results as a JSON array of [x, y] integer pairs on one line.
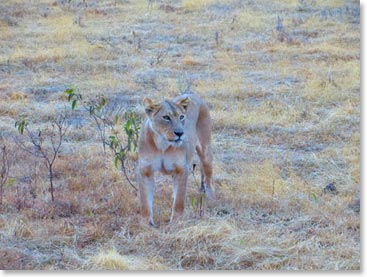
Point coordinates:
[[4, 170], [46, 145]]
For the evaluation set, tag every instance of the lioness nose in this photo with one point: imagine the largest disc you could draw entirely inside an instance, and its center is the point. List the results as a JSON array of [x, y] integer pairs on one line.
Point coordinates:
[[179, 133]]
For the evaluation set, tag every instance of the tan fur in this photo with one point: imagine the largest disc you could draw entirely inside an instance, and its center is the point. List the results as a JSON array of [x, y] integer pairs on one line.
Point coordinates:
[[168, 139]]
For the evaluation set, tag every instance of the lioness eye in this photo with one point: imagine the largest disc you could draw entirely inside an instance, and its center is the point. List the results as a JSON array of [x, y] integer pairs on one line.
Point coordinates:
[[166, 117], [182, 117]]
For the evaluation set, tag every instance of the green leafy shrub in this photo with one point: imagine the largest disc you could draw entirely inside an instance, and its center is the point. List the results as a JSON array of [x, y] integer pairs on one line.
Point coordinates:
[[109, 123]]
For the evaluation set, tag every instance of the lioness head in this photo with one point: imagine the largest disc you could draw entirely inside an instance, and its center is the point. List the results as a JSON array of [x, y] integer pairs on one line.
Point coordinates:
[[167, 119]]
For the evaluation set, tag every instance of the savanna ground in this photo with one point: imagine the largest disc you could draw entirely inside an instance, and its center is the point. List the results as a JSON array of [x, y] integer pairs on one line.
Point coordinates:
[[282, 79]]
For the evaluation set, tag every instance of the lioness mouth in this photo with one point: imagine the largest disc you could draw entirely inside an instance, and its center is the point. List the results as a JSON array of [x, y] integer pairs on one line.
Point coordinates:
[[177, 140]]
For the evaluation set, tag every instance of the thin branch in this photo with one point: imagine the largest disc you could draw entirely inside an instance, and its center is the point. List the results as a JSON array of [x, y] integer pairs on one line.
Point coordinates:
[[22, 146], [47, 151], [5, 166], [123, 168]]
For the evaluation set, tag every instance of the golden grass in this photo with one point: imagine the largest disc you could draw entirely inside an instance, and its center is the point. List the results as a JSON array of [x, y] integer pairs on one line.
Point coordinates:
[[327, 3], [18, 96], [269, 112], [352, 154], [190, 61], [18, 227], [196, 4], [253, 20], [266, 182], [112, 260], [63, 29], [5, 31], [330, 85], [292, 3], [32, 57]]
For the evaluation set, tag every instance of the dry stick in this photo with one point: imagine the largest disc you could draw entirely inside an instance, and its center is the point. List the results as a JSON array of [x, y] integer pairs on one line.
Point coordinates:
[[161, 54], [123, 168], [201, 196], [101, 129], [4, 174], [41, 152]]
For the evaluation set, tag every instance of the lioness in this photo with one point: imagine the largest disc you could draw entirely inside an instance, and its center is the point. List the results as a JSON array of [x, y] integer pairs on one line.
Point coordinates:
[[171, 133]]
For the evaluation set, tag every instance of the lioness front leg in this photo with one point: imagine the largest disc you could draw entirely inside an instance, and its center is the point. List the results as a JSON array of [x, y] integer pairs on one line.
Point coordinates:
[[146, 194], [179, 194]]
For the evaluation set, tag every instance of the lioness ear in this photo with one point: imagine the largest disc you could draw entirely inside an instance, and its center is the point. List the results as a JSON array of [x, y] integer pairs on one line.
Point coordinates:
[[150, 107], [184, 103]]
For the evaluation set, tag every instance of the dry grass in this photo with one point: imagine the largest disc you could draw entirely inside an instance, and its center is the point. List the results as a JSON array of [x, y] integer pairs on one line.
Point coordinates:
[[195, 5], [114, 261], [286, 133]]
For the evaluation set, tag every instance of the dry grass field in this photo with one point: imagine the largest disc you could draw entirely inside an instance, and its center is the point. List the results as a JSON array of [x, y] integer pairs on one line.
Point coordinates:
[[282, 80]]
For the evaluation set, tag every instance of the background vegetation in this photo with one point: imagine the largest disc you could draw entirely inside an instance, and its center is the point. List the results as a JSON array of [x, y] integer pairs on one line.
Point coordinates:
[[282, 79]]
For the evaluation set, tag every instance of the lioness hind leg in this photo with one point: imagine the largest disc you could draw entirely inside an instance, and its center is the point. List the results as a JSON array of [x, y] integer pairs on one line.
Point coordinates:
[[205, 153], [206, 164]]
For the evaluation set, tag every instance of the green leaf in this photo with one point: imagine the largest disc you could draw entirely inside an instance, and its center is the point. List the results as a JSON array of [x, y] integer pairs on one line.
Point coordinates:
[[121, 155], [128, 126], [69, 91], [11, 182], [116, 119], [116, 162], [20, 125], [73, 104], [103, 101], [313, 196], [91, 110], [193, 204], [113, 142]]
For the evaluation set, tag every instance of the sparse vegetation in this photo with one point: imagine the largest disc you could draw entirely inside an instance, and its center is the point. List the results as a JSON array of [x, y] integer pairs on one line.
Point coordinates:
[[108, 119], [44, 144], [282, 79]]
